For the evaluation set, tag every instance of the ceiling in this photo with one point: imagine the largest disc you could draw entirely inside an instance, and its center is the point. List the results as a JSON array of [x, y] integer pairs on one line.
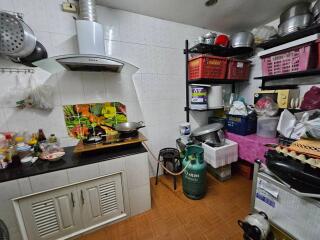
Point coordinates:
[[226, 16]]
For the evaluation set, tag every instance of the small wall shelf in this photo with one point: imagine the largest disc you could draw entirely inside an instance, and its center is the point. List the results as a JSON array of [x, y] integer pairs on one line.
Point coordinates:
[[290, 37], [290, 80], [203, 48]]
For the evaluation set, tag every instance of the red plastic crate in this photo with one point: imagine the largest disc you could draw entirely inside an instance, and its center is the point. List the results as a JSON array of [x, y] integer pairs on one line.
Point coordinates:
[[205, 66], [299, 58], [238, 69]]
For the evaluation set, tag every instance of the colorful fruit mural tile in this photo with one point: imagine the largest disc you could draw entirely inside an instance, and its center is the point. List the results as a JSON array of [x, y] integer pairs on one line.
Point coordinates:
[[81, 119]]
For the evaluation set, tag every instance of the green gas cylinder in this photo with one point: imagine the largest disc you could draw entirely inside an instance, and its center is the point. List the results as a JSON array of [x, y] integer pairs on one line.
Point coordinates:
[[194, 178]]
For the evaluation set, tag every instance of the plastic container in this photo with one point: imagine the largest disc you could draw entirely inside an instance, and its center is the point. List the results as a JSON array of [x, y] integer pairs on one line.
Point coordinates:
[[267, 126], [299, 58], [199, 97], [238, 69], [221, 173], [242, 125], [206, 66], [221, 156]]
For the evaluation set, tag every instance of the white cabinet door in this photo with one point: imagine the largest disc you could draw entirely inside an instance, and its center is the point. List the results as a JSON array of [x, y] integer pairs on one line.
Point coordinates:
[[102, 200], [52, 214]]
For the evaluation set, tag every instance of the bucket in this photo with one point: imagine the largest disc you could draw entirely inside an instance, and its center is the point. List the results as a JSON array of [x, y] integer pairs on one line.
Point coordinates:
[[199, 97]]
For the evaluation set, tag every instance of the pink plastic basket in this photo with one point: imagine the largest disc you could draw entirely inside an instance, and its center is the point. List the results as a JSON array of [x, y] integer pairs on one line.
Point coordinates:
[[295, 59]]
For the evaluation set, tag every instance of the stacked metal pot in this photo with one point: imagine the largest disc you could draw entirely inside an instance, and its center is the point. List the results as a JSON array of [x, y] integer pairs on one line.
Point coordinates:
[[297, 16], [316, 12]]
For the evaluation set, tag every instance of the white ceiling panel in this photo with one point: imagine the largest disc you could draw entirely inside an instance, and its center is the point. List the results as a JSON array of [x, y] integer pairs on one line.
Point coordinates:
[[226, 16]]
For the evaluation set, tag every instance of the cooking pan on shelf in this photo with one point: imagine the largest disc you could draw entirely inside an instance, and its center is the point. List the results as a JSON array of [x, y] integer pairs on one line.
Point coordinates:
[[129, 127]]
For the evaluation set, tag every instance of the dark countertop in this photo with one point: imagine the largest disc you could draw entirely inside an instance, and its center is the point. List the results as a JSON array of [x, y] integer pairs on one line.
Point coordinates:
[[69, 160]]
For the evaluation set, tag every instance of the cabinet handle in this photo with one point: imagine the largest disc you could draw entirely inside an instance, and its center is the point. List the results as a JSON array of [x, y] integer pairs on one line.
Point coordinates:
[[72, 200], [82, 198]]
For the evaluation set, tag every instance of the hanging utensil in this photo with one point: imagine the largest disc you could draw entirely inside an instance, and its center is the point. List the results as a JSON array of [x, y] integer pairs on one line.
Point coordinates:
[[38, 53], [17, 39]]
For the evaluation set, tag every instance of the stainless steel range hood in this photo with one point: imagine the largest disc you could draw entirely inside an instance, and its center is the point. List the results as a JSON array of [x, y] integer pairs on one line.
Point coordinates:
[[91, 55]]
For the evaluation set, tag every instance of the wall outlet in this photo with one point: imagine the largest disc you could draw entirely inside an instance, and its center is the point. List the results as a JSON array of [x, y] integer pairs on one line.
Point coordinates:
[[69, 7]]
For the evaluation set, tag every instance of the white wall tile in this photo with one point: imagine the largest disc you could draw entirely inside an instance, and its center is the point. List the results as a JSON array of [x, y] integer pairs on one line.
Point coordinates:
[[86, 172], [93, 87], [48, 181], [70, 87], [153, 45]]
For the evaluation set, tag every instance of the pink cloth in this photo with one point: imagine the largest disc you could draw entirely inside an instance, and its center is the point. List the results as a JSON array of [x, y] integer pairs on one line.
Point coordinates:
[[251, 147]]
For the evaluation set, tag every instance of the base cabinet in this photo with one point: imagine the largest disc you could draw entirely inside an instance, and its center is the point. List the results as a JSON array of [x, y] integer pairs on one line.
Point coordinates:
[[59, 213], [101, 200]]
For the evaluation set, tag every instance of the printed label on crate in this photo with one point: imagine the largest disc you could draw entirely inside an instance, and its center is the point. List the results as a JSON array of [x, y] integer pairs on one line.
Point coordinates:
[[265, 199], [240, 64]]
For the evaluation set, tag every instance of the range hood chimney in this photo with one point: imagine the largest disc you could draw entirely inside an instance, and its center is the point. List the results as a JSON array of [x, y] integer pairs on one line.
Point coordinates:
[[91, 46]]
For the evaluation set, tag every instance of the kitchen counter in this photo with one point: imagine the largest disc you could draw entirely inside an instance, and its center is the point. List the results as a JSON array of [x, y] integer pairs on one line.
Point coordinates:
[[69, 160]]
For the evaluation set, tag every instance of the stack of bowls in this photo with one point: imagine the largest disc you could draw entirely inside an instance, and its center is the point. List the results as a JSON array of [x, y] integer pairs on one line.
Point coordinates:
[[316, 12], [296, 17]]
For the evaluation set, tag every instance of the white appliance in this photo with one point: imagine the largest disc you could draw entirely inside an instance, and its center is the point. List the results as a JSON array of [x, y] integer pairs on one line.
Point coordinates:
[[295, 213], [91, 46]]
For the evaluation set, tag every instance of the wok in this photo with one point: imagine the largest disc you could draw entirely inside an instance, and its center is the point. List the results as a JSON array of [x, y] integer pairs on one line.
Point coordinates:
[[129, 127]]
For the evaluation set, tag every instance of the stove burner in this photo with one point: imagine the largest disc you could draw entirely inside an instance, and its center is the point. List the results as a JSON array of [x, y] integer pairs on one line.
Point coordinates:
[[128, 135]]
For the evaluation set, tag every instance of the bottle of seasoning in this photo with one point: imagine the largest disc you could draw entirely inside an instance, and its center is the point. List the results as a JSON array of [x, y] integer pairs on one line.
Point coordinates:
[[36, 149], [52, 139], [41, 136]]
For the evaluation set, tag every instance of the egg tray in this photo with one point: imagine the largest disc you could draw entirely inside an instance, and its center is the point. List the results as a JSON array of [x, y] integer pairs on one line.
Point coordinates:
[[311, 160]]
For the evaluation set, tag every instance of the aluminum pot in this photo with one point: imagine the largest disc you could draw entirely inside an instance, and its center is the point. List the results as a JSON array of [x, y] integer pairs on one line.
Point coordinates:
[[211, 134], [294, 24], [128, 127], [17, 39], [316, 9], [297, 9], [242, 39]]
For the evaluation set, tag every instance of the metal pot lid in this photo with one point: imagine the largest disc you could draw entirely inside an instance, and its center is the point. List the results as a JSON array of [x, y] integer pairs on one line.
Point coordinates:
[[207, 129]]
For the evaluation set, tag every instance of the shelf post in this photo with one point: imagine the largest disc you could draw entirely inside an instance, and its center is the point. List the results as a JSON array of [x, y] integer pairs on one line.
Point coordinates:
[[186, 51]]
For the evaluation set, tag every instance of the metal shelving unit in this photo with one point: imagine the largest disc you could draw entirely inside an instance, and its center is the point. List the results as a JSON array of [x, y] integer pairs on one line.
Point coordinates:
[[214, 50]]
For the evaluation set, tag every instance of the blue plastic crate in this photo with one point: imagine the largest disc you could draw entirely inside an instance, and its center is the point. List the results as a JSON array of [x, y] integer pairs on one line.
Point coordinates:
[[242, 125]]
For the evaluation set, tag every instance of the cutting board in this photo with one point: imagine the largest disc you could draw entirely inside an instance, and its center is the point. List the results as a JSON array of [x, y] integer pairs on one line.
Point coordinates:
[[80, 147]]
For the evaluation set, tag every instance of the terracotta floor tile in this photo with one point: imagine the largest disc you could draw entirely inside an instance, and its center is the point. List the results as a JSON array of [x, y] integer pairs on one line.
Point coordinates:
[[173, 216]]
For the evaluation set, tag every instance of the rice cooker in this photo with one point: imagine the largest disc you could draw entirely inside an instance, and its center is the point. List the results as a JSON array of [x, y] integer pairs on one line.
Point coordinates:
[[255, 226]]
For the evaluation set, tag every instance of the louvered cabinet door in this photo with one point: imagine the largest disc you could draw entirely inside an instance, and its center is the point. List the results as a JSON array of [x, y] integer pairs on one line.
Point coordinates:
[[102, 200], [51, 215]]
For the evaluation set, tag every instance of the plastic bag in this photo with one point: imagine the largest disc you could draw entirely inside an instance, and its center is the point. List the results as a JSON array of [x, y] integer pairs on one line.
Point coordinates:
[[40, 97], [308, 127], [238, 108], [265, 106], [311, 99]]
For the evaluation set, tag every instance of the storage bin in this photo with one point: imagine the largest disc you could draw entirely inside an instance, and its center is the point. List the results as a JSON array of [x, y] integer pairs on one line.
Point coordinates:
[[199, 98], [242, 125], [222, 173], [238, 69], [267, 126], [221, 156], [299, 58], [206, 66]]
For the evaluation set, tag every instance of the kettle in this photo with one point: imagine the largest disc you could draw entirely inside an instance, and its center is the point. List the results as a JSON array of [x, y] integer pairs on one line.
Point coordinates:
[[255, 226]]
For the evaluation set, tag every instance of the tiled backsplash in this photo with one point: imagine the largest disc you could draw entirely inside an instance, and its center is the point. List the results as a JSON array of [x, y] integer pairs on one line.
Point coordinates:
[[156, 94]]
